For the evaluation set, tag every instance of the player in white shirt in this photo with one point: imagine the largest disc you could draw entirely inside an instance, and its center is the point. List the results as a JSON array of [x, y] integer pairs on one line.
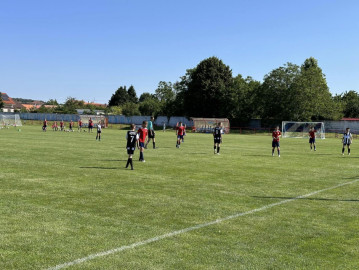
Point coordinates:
[[347, 140], [99, 128]]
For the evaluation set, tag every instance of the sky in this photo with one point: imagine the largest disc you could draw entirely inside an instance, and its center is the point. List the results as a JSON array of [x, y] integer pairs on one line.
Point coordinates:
[[88, 49]]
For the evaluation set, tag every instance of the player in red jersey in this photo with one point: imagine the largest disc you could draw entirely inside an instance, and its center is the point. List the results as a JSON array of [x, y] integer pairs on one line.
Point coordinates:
[[312, 132], [71, 126], [54, 126], [62, 125], [79, 125], [179, 132], [44, 127], [275, 143], [184, 132], [90, 125], [142, 132]]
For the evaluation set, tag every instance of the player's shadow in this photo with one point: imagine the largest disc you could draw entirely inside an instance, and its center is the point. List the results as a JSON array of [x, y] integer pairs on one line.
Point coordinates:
[[309, 199], [113, 160], [102, 168], [257, 155]]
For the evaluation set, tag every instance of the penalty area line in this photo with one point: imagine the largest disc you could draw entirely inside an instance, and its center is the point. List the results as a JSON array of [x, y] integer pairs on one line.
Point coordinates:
[[196, 227]]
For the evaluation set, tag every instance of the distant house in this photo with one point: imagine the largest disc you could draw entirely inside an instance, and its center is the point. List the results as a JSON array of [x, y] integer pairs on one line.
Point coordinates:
[[9, 104], [87, 111], [350, 119], [30, 107], [95, 104], [33, 106]]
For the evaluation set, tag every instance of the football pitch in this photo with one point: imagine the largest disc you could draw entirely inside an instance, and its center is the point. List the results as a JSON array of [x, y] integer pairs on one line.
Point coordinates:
[[67, 202]]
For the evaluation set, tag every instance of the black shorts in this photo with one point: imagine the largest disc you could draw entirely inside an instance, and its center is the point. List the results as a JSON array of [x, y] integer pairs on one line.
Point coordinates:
[[217, 140], [151, 134], [311, 140], [99, 132], [275, 144], [130, 150]]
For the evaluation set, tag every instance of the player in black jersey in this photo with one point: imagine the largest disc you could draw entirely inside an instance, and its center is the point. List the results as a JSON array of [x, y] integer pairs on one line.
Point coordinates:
[[217, 136], [132, 138]]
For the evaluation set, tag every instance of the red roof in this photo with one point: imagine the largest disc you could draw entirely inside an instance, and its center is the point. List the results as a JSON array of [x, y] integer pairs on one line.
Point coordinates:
[[6, 99], [350, 119], [30, 106], [95, 104]]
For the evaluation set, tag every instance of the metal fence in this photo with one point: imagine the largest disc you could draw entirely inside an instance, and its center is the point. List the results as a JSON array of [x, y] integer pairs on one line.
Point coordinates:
[[330, 126], [112, 119]]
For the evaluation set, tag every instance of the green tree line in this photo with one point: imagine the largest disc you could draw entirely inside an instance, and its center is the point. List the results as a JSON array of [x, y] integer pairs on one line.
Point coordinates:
[[289, 92]]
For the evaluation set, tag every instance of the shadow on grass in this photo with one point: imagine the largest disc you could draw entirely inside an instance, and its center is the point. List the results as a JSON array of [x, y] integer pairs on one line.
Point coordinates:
[[309, 199], [264, 155], [113, 160], [102, 168]]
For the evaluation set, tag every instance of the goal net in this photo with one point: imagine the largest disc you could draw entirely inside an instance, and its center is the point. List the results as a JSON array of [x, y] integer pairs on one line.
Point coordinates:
[[301, 129], [206, 125], [10, 120], [95, 119]]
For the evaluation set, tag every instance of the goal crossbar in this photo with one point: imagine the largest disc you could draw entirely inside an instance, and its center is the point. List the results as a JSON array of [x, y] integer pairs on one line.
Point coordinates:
[[10, 120], [292, 129]]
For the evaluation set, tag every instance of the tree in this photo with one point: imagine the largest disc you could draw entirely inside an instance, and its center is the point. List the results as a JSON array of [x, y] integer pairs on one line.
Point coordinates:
[[120, 97], [129, 109], [150, 106], [52, 102], [244, 99], [180, 88], [274, 95], [337, 109], [209, 89], [145, 96], [116, 110], [351, 104], [311, 99], [71, 104], [43, 109], [132, 96], [165, 94]]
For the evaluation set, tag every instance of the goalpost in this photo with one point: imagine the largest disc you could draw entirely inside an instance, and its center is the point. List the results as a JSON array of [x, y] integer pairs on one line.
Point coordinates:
[[206, 125], [301, 129], [95, 119], [10, 120]]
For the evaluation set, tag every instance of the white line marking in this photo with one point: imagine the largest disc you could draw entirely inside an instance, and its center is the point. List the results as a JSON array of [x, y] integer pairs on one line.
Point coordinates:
[[167, 235]]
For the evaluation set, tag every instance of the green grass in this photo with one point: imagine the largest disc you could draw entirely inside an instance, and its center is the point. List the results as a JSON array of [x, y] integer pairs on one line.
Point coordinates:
[[64, 196]]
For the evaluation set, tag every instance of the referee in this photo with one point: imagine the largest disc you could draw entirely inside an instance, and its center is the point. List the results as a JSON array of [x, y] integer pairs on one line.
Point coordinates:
[[151, 133]]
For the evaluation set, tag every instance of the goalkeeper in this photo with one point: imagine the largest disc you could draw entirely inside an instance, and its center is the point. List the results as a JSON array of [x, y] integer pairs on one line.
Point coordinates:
[[312, 132], [151, 133], [275, 142]]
